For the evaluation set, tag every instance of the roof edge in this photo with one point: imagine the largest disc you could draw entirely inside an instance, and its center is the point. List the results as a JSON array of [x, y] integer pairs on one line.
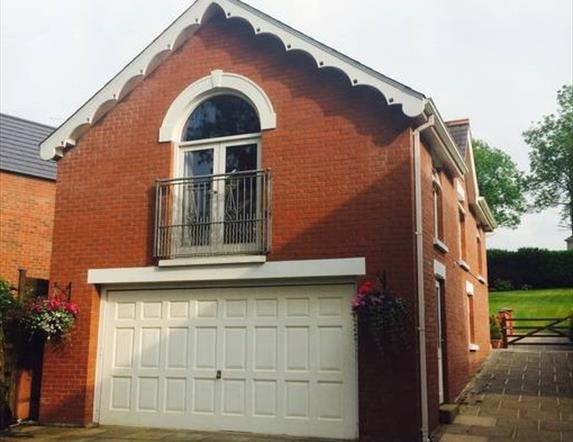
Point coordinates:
[[175, 35], [485, 214], [445, 143]]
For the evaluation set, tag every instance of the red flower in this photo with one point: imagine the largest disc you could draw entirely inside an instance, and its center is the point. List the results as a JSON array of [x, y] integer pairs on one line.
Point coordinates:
[[366, 288]]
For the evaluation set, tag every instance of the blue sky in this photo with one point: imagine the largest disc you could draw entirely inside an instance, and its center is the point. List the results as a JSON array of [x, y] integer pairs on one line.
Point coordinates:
[[499, 63]]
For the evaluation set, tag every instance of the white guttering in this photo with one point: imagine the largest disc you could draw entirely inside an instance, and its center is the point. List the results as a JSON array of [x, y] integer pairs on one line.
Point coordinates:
[[316, 268], [442, 142], [488, 218], [484, 215], [419, 238]]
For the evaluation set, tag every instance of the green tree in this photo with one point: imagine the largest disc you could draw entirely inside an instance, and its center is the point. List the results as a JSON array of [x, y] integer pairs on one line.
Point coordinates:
[[551, 158], [501, 183]]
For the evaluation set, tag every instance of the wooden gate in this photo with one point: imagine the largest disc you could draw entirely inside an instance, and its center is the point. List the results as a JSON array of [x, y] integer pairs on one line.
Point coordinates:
[[513, 333]]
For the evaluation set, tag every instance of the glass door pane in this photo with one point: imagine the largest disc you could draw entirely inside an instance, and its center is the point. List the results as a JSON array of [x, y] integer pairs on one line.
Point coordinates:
[[241, 194], [197, 198]]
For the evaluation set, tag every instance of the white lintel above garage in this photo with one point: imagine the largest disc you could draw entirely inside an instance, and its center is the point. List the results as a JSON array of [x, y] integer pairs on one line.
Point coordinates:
[[316, 268]]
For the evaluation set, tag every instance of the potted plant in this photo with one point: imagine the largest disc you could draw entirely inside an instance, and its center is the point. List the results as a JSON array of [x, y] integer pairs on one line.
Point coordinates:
[[51, 319], [494, 332], [382, 313]]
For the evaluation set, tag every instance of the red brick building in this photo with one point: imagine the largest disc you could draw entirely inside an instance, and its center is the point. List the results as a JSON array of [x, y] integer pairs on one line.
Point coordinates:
[[217, 203], [27, 198]]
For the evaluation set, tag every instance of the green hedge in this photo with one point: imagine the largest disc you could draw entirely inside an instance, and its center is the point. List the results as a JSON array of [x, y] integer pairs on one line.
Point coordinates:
[[530, 267]]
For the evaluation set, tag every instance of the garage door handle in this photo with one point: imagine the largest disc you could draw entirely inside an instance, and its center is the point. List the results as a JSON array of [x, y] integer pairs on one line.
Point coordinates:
[[218, 376]]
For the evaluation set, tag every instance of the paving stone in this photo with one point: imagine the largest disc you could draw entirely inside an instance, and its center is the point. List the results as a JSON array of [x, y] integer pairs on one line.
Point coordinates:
[[462, 438], [551, 425], [186, 436], [480, 421]]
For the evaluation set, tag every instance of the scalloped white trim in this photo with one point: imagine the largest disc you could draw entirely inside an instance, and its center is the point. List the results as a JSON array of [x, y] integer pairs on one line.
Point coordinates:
[[217, 82], [180, 30]]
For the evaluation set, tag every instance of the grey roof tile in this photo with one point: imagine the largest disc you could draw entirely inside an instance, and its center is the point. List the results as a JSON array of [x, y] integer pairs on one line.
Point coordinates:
[[459, 130], [20, 150]]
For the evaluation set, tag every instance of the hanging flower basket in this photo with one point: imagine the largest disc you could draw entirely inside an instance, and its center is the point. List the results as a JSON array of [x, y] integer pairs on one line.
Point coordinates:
[[384, 314], [51, 319]]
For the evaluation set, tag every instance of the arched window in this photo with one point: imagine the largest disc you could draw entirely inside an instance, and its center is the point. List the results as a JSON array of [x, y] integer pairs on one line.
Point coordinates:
[[222, 189], [221, 116]]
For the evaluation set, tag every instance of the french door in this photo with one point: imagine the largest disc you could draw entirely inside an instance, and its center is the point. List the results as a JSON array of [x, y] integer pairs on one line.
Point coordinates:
[[219, 208]]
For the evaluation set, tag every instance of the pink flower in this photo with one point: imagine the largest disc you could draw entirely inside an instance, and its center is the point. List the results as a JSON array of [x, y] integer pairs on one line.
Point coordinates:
[[72, 308]]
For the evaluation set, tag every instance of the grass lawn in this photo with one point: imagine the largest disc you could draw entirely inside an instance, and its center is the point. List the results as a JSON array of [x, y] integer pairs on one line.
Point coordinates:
[[543, 303]]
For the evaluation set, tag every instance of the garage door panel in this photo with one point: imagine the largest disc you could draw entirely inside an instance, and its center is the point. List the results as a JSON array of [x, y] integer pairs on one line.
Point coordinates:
[[125, 311], [265, 348], [265, 397], [120, 393], [177, 347], [123, 346], [150, 347], [266, 308], [206, 347], [234, 396], [235, 308], [178, 309], [206, 308], [151, 309], [175, 395], [148, 393], [204, 393], [286, 356], [330, 352]]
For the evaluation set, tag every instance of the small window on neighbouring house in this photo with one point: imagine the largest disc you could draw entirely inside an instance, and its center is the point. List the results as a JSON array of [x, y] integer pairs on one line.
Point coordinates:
[[221, 116]]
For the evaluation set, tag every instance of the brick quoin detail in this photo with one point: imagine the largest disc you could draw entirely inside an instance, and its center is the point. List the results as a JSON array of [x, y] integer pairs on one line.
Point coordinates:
[[342, 187]]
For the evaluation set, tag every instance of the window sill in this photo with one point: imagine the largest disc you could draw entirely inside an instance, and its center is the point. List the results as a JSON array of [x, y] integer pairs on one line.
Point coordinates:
[[438, 244], [473, 348], [213, 260], [464, 265]]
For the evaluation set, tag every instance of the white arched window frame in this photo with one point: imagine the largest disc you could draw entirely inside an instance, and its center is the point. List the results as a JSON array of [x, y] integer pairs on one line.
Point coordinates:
[[173, 130], [217, 83]]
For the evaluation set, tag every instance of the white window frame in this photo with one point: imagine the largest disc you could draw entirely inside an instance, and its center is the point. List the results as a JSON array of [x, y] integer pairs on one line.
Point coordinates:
[[219, 146]]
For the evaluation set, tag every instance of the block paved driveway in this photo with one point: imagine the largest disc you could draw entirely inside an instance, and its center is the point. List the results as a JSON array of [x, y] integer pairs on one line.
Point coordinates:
[[523, 394], [130, 434]]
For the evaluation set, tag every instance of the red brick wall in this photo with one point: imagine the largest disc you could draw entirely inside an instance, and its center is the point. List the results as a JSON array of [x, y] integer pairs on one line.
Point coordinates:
[[341, 166], [26, 222], [342, 174], [461, 364]]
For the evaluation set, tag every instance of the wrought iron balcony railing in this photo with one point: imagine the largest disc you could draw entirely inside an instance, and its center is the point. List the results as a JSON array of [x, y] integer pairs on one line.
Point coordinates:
[[228, 214]]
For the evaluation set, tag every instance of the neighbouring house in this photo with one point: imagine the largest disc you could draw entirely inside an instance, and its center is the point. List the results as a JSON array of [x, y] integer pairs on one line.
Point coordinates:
[[217, 203], [27, 198], [27, 195]]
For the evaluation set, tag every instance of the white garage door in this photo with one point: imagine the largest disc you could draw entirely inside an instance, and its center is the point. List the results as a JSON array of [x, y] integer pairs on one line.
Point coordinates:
[[259, 359]]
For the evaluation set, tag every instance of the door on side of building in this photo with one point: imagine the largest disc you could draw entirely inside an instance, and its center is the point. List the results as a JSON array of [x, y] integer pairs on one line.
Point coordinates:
[[440, 340]]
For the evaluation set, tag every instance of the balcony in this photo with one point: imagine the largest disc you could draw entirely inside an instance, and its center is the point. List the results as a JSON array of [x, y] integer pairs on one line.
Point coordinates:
[[213, 215]]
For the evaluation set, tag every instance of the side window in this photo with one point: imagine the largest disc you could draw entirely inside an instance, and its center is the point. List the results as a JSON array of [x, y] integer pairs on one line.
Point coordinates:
[[462, 230], [438, 207], [479, 251], [471, 319]]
